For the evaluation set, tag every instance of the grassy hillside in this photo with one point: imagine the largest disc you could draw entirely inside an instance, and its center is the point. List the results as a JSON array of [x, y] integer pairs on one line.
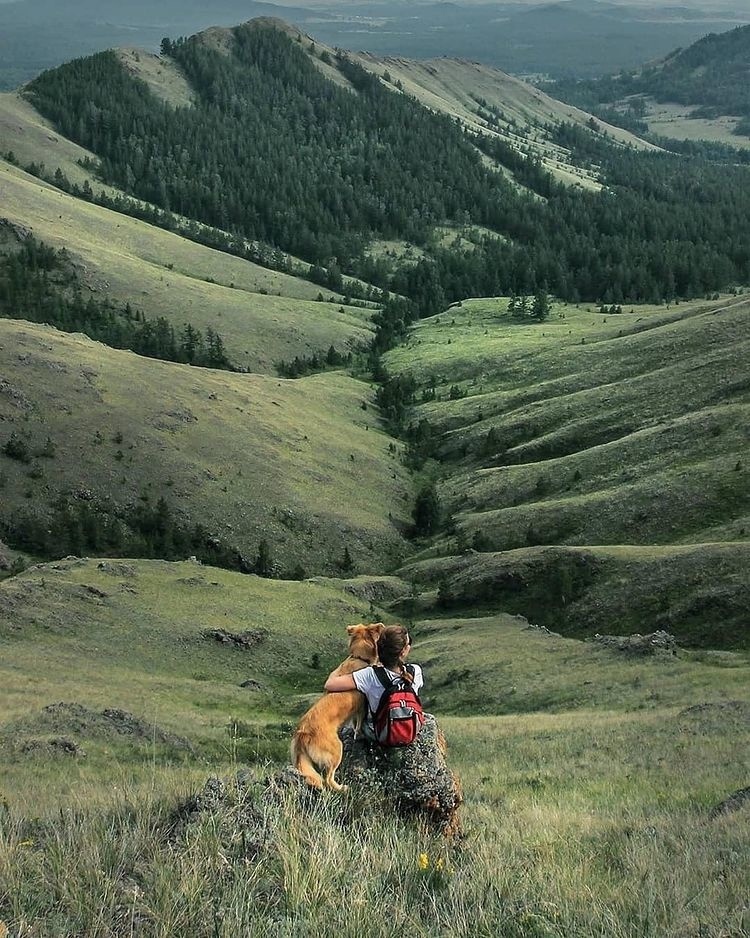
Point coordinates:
[[488, 101], [129, 635], [262, 315], [301, 464], [580, 430], [593, 777]]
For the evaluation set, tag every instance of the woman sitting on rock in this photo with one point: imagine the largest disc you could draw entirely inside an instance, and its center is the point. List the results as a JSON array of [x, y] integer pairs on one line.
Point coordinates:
[[394, 646]]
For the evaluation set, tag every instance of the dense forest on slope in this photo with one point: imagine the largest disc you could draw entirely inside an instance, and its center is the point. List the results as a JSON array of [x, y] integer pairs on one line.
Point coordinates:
[[274, 150]]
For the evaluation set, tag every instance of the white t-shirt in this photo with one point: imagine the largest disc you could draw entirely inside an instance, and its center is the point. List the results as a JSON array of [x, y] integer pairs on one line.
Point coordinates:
[[366, 681]]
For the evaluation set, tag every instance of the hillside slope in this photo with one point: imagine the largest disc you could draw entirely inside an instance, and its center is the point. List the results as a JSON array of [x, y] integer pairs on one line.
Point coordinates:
[[300, 464], [262, 315], [695, 93], [491, 102], [579, 431]]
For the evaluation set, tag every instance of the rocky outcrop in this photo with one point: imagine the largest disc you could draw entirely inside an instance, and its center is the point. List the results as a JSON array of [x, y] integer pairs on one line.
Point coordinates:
[[734, 802], [414, 782], [654, 643], [248, 639], [415, 779]]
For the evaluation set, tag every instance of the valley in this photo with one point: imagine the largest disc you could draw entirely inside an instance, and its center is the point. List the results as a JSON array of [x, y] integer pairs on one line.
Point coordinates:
[[434, 347]]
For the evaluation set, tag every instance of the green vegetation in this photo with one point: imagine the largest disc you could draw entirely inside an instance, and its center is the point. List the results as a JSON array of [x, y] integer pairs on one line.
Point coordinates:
[[262, 315], [40, 284], [569, 464], [577, 431], [340, 179], [711, 75], [612, 786], [235, 458]]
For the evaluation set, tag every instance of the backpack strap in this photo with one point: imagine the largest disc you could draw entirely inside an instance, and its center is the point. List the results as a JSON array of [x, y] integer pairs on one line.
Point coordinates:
[[382, 675]]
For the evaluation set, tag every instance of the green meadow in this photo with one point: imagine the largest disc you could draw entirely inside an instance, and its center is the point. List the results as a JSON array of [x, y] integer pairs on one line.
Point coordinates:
[[597, 459], [590, 778], [301, 464], [591, 473], [262, 315]]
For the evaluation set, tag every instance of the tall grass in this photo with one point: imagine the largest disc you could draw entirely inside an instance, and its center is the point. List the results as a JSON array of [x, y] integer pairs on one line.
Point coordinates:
[[588, 845]]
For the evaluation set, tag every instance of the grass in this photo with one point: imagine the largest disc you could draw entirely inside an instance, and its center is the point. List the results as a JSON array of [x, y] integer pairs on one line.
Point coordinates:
[[674, 120], [130, 635], [581, 432], [262, 315], [161, 74], [589, 780], [303, 464]]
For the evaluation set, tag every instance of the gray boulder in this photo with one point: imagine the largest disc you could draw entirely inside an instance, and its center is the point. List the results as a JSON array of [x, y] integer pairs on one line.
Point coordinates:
[[655, 643]]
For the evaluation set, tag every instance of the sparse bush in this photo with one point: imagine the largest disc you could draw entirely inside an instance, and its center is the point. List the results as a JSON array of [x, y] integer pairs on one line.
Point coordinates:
[[17, 448]]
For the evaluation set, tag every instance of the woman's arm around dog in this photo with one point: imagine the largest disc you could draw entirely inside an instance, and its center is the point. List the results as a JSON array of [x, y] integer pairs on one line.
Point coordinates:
[[339, 682]]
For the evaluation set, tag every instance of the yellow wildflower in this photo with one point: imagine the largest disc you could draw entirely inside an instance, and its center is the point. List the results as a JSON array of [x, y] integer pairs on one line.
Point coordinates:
[[424, 861]]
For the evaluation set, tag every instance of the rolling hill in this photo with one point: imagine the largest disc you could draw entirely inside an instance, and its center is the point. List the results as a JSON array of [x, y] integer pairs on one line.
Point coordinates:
[[695, 93], [300, 464], [578, 432], [507, 474]]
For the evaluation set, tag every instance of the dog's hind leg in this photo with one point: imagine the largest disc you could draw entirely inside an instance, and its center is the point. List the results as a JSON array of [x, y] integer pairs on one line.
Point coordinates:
[[304, 765], [329, 773]]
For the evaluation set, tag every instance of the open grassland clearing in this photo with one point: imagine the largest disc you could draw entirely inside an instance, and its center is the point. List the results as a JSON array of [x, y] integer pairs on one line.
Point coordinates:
[[676, 121], [588, 803], [161, 74], [263, 316], [33, 139], [302, 464], [588, 406], [137, 636]]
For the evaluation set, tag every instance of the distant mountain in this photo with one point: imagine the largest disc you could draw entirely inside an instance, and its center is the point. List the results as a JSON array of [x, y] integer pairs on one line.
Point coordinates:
[[578, 38], [711, 76], [713, 73], [40, 34]]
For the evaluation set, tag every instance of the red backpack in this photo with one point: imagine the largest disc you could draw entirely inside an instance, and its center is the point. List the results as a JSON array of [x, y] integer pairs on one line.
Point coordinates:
[[399, 716]]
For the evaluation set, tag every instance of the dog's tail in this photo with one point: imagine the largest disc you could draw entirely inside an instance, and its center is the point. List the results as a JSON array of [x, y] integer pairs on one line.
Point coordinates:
[[301, 759]]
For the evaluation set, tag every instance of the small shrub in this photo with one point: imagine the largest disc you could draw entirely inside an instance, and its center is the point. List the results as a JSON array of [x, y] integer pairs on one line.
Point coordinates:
[[17, 448]]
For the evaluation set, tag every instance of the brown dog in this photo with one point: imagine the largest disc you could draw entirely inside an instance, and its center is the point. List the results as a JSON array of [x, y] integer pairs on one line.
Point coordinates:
[[316, 744]]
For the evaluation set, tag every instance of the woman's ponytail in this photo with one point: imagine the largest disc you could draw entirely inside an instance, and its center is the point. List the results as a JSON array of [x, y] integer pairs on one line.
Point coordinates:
[[391, 645]]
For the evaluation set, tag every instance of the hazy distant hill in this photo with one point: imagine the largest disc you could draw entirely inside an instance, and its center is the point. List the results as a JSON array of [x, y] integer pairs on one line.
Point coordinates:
[[713, 73], [577, 38], [709, 81]]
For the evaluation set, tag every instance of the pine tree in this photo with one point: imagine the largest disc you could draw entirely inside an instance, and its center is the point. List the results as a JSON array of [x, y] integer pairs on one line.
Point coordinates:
[[426, 512]]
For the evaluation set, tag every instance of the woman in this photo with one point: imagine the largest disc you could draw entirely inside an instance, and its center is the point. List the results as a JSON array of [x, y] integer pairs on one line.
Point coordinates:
[[394, 646]]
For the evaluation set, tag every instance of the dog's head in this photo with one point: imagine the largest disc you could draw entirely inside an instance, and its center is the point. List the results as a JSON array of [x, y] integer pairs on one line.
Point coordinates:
[[363, 640]]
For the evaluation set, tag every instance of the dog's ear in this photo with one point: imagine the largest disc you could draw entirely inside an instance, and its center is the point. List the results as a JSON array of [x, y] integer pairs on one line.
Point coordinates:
[[353, 629], [376, 630]]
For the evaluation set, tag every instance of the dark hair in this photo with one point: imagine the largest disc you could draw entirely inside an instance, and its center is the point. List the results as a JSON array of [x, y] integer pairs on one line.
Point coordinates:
[[391, 644]]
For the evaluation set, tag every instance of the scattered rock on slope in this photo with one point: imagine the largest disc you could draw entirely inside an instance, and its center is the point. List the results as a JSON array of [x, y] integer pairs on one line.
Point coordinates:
[[654, 643]]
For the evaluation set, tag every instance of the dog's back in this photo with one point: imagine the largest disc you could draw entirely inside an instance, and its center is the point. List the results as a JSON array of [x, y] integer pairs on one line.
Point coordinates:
[[316, 744]]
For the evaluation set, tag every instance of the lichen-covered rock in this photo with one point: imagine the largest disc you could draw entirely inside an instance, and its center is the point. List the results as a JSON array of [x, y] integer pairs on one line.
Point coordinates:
[[659, 642], [416, 779]]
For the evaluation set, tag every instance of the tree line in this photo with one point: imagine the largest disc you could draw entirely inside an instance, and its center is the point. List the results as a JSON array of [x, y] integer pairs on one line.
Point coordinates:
[[274, 151], [39, 284]]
